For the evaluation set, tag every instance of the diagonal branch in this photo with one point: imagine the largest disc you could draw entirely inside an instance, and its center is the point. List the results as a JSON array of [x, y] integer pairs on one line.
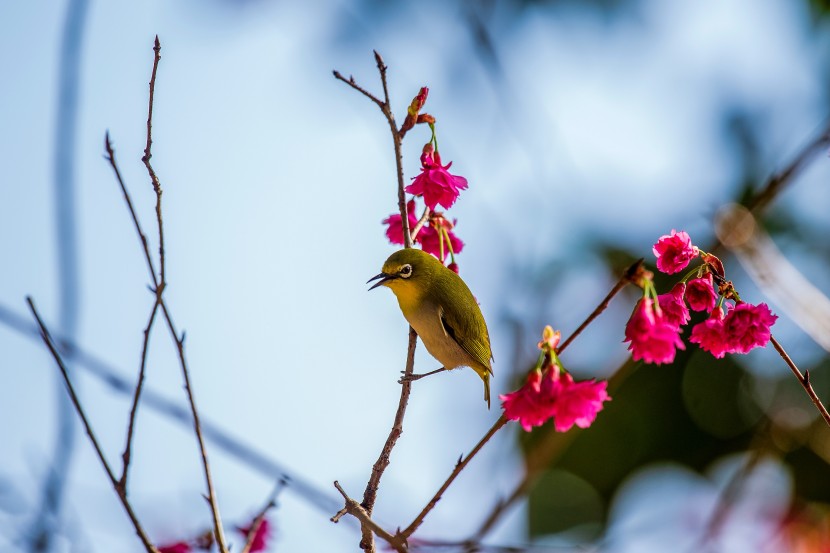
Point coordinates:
[[122, 496], [126, 456], [627, 277], [359, 512], [803, 379], [455, 472]]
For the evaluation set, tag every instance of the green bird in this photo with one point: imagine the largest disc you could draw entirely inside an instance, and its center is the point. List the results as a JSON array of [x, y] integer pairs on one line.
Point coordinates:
[[442, 310]]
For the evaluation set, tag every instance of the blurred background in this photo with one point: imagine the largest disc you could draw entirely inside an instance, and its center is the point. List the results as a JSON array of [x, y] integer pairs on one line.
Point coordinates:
[[586, 129]]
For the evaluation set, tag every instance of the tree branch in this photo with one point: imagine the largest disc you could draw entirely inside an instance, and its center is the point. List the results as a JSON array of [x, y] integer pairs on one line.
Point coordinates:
[[359, 512], [803, 379], [47, 340], [455, 472]]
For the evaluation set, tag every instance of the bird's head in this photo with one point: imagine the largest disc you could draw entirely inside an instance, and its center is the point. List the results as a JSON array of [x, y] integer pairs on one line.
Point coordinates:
[[407, 272]]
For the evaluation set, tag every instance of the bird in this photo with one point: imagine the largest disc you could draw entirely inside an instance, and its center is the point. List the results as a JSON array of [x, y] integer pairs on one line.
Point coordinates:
[[440, 307]]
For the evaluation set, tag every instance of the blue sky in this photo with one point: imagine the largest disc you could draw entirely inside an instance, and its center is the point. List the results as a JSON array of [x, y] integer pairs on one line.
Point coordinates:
[[276, 178]]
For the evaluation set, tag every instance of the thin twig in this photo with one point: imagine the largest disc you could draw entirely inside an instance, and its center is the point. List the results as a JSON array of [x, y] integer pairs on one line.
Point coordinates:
[[161, 282], [351, 82], [110, 157], [148, 154], [386, 108], [420, 224], [358, 511], [126, 456], [197, 428], [804, 379], [453, 475], [111, 377], [47, 340], [217, 521], [626, 277], [253, 530], [370, 493]]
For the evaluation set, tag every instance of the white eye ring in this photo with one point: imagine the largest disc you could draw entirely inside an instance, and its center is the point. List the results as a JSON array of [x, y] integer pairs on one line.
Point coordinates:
[[406, 271]]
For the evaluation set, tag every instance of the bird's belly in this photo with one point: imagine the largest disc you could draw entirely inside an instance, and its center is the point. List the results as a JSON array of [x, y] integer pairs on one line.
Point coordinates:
[[427, 323]]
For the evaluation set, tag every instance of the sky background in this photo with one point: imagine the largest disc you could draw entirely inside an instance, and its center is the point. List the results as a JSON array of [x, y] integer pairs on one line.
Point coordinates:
[[586, 126]]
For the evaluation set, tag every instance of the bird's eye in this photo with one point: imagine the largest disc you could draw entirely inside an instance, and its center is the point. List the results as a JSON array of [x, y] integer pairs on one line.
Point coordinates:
[[406, 271]]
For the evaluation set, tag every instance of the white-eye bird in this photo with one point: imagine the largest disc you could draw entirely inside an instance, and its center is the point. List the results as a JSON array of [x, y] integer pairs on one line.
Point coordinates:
[[441, 309]]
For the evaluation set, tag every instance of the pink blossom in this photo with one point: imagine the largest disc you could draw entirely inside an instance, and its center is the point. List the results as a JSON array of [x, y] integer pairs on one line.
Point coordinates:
[[435, 183], [700, 293], [711, 336], [527, 404], [430, 239], [178, 547], [577, 402], [263, 533], [747, 326], [453, 267], [394, 230], [652, 338], [674, 251], [673, 307]]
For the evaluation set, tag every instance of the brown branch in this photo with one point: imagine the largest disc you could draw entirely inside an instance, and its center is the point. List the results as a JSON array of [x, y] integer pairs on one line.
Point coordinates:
[[627, 277], [351, 82], [122, 496], [804, 379], [420, 224], [197, 428], [777, 181], [110, 157], [397, 139], [370, 493], [147, 155], [122, 482], [453, 475], [359, 512], [159, 288], [260, 517]]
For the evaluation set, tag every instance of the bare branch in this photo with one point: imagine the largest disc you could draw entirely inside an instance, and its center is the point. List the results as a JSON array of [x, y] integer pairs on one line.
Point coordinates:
[[126, 456], [803, 379], [629, 273], [147, 155], [359, 512], [453, 475], [110, 157], [47, 340], [385, 107], [158, 283], [420, 224]]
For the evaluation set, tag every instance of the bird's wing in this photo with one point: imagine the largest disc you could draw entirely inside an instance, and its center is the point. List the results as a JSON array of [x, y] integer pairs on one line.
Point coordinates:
[[464, 336]]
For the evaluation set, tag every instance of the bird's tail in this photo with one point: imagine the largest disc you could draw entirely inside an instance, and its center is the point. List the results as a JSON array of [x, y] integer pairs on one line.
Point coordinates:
[[486, 378]]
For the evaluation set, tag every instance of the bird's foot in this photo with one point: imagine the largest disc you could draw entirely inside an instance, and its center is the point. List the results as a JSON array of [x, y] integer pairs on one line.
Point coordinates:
[[413, 377]]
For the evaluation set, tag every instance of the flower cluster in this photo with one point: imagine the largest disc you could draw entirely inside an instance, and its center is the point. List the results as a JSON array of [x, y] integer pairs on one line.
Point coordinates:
[[550, 392], [653, 331], [437, 186]]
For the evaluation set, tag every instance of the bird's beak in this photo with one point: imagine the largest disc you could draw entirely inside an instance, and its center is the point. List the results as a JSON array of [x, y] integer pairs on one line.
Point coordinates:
[[383, 278]]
